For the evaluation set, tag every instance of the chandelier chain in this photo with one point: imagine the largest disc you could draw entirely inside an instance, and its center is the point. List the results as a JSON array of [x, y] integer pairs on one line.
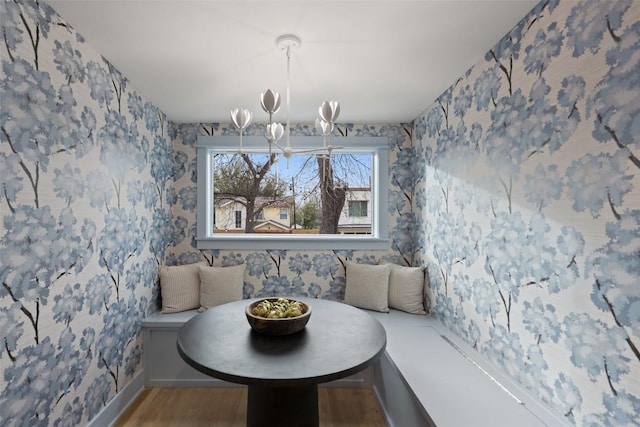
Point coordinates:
[[288, 95]]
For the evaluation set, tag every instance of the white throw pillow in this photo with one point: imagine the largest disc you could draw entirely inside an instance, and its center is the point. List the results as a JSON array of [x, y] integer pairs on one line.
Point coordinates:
[[367, 286], [179, 287], [406, 288], [220, 285]]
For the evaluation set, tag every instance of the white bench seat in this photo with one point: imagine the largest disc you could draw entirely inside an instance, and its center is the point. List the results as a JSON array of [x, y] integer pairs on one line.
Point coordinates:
[[444, 386], [421, 380], [164, 367]]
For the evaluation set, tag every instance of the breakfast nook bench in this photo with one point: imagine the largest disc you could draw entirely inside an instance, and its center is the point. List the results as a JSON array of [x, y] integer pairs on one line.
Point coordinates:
[[427, 376]]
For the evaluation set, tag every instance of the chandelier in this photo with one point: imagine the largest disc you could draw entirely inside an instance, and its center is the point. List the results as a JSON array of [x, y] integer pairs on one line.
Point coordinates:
[[270, 103]]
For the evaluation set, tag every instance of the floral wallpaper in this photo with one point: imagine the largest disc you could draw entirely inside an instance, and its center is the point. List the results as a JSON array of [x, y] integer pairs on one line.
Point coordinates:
[[530, 208], [518, 188], [94, 197], [316, 274], [85, 168]]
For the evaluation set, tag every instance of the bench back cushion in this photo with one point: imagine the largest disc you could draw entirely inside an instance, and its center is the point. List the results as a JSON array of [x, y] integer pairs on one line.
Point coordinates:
[[220, 285], [367, 286], [179, 287], [406, 288]]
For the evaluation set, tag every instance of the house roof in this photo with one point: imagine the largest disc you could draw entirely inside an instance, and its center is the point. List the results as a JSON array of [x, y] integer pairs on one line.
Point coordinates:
[[222, 200], [268, 201], [263, 224]]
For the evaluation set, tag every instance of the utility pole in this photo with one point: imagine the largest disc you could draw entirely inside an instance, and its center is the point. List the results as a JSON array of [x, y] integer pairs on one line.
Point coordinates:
[[293, 192]]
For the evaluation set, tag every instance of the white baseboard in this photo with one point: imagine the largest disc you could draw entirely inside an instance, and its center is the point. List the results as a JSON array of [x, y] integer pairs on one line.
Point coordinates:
[[188, 383], [116, 406], [362, 379]]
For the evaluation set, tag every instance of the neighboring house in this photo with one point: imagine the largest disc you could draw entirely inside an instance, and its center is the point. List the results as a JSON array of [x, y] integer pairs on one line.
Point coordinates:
[[271, 227], [229, 214], [271, 215], [356, 213]]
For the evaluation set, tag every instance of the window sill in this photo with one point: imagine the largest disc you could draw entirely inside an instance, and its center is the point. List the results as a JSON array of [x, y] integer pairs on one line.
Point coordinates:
[[339, 242]]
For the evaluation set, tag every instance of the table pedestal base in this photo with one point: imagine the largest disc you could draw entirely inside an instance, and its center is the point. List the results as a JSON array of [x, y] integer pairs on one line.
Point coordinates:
[[282, 406]]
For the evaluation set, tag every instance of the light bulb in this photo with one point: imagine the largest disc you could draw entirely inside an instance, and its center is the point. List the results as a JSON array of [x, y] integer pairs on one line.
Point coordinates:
[[270, 101], [241, 117], [329, 111]]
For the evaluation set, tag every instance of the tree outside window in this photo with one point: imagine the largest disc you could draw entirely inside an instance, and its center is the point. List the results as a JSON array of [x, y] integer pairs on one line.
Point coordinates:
[[266, 188], [312, 185]]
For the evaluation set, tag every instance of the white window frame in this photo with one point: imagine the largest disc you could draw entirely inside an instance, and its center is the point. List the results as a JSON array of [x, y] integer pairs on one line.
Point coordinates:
[[206, 238]]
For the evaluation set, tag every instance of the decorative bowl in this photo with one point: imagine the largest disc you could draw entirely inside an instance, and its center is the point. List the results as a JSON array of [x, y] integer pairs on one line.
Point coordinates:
[[278, 325]]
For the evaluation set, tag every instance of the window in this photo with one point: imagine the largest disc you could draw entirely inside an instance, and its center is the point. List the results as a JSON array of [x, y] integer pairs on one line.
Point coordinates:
[[238, 219], [357, 208], [298, 189]]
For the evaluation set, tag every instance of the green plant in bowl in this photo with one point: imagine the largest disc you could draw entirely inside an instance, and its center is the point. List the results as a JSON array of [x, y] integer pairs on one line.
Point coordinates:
[[278, 309], [278, 316]]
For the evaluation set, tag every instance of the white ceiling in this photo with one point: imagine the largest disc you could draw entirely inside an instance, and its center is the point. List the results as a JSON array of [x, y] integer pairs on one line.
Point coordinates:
[[385, 61]]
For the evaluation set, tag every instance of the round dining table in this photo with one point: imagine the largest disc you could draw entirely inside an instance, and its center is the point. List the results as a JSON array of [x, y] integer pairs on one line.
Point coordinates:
[[282, 372]]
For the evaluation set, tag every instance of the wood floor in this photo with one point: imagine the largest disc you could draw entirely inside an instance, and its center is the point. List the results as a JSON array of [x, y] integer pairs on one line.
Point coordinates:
[[227, 407]]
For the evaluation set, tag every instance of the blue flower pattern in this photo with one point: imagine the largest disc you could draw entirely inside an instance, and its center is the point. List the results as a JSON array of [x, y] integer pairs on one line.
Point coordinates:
[[98, 190], [537, 212]]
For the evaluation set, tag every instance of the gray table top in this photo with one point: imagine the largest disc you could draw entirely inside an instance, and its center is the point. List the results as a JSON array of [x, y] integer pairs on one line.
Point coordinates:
[[339, 340]]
